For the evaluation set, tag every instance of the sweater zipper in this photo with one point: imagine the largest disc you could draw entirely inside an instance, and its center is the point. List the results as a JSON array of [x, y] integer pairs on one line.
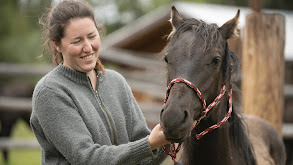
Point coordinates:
[[109, 119], [107, 114]]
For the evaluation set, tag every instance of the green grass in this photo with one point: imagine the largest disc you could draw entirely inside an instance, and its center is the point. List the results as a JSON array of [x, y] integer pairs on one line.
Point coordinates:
[[23, 156]]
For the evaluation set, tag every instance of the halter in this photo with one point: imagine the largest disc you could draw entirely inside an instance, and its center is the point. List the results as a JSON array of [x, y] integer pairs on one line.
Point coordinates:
[[174, 150]]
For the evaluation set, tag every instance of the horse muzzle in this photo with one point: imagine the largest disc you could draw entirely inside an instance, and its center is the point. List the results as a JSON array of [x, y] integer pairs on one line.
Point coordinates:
[[177, 115]]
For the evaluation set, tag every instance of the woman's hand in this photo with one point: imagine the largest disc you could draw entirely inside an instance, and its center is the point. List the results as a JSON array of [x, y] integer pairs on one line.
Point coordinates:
[[157, 137]]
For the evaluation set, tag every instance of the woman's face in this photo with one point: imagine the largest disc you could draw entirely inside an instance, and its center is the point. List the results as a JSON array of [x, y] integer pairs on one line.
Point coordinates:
[[80, 45]]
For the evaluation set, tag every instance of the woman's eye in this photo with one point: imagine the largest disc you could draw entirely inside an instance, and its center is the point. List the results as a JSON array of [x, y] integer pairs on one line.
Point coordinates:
[[76, 42], [216, 61], [91, 37]]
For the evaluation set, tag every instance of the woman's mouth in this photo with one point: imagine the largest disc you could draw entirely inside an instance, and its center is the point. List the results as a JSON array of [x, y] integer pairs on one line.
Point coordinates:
[[87, 57]]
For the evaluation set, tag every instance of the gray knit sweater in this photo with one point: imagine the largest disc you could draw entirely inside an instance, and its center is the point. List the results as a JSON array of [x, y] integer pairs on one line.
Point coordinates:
[[76, 125]]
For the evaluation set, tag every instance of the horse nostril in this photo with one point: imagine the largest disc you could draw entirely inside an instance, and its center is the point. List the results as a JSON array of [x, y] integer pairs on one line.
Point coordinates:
[[161, 113], [185, 116]]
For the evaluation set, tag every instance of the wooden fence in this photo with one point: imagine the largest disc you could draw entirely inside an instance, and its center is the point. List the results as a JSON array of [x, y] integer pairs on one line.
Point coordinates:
[[142, 72]]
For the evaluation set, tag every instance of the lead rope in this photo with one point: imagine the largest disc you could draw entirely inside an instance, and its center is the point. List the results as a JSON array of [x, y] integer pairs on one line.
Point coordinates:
[[173, 150]]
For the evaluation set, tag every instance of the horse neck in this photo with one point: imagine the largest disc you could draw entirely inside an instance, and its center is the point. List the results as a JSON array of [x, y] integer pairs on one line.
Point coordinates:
[[212, 148]]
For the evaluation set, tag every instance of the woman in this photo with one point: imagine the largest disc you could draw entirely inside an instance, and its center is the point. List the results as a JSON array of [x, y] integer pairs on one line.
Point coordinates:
[[83, 113]]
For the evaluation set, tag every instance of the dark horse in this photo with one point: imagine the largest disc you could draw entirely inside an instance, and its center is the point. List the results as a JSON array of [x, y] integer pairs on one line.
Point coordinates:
[[198, 53], [9, 118]]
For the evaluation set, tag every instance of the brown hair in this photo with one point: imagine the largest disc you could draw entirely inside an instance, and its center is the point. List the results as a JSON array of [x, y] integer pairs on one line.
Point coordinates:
[[55, 22]]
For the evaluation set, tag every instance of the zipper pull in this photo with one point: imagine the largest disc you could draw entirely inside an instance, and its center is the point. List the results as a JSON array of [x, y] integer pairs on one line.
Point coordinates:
[[99, 101]]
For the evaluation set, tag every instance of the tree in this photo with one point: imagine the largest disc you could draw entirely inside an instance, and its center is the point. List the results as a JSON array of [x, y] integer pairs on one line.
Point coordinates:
[[19, 31]]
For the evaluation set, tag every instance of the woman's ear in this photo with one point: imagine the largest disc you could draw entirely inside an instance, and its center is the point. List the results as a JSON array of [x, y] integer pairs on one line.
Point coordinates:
[[57, 46]]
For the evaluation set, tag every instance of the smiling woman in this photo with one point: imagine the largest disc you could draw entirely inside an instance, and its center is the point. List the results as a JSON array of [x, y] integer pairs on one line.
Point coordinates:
[[83, 113], [80, 45]]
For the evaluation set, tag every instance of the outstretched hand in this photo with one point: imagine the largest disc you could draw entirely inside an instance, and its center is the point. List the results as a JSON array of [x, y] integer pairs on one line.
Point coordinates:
[[157, 137]]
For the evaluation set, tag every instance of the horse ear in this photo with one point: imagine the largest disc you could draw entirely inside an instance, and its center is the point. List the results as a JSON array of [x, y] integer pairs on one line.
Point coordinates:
[[176, 19], [230, 28]]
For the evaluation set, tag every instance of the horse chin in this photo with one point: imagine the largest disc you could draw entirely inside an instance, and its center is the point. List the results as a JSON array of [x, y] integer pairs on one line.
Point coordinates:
[[177, 139], [178, 134]]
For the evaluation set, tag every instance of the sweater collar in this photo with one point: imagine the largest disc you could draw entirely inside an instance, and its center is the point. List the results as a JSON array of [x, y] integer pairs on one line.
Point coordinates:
[[76, 76]]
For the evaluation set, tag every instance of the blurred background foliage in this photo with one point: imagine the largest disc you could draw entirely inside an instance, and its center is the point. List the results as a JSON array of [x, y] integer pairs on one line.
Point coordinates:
[[19, 30], [20, 33]]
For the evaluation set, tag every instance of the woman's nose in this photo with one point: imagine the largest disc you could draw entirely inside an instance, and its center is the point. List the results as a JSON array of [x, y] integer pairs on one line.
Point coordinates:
[[87, 47]]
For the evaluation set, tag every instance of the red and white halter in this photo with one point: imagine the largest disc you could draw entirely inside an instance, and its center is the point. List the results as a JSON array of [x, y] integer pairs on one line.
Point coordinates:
[[173, 149]]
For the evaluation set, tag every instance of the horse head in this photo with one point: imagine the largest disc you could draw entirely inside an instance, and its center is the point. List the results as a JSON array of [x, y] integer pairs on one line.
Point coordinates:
[[197, 52]]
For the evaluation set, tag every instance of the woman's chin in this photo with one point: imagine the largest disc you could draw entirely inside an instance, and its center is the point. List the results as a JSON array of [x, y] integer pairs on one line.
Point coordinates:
[[88, 67]]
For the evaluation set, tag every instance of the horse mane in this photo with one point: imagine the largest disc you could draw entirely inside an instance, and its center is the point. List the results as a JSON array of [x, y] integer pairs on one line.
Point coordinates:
[[237, 129], [239, 137], [208, 32]]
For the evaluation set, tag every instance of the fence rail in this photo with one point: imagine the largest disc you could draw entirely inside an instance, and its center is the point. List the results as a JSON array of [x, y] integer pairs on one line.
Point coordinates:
[[15, 104], [149, 82], [23, 70], [9, 143]]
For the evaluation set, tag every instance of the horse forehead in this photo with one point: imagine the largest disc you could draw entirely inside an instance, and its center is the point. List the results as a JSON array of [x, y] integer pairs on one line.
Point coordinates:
[[185, 39], [195, 41]]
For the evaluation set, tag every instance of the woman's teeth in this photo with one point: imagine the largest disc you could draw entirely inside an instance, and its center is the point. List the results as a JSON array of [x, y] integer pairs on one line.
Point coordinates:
[[87, 57]]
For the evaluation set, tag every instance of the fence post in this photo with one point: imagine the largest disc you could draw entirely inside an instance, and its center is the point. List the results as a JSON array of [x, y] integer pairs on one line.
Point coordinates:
[[263, 67]]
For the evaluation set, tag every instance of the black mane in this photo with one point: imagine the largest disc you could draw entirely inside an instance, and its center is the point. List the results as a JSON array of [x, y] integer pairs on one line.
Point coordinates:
[[208, 32], [237, 129], [239, 137]]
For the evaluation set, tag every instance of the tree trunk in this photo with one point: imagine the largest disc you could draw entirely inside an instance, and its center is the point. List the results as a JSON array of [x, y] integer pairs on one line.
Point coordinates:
[[263, 67]]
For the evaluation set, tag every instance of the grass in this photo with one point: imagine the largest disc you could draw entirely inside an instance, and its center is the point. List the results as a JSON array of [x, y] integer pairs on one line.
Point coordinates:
[[22, 157]]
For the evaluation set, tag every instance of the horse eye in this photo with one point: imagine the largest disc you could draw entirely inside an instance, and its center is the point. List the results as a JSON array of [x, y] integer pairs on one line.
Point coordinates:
[[166, 60], [216, 60]]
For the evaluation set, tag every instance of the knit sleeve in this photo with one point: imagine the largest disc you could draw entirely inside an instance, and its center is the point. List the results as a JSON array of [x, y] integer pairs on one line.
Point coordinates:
[[64, 130], [140, 130]]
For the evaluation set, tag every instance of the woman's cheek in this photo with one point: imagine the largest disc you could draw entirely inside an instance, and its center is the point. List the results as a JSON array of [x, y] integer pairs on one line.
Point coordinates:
[[75, 50], [96, 44]]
